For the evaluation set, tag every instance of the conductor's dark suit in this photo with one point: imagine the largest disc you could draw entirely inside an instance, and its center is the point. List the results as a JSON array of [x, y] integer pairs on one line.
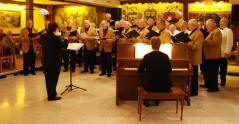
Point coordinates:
[[51, 60], [157, 68]]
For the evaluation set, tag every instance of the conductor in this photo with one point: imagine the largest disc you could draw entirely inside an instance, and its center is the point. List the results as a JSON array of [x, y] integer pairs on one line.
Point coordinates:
[[51, 58]]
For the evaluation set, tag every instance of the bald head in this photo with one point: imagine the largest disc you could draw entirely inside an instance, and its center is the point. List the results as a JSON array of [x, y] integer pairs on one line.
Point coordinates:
[[29, 23], [223, 22]]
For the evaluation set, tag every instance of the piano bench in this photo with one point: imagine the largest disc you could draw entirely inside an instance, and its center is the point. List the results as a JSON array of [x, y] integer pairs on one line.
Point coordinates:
[[175, 94]]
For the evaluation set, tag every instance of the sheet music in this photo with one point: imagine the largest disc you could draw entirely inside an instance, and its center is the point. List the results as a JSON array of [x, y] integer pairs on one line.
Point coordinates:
[[143, 49], [83, 35], [74, 46], [131, 69]]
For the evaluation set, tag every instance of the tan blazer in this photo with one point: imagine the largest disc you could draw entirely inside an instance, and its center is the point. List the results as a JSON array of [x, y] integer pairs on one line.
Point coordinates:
[[165, 36], [110, 38], [212, 45], [124, 40], [142, 34], [195, 47], [91, 34], [26, 41], [178, 23]]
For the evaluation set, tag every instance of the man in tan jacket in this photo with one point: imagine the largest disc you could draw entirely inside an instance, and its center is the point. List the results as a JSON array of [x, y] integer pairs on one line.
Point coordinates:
[[107, 37], [212, 53], [89, 48], [195, 53], [143, 31], [29, 47], [164, 36]]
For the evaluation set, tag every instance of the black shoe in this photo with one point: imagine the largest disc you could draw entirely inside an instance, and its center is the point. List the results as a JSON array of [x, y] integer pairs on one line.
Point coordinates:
[[193, 94], [65, 70], [213, 90], [156, 102], [146, 103], [204, 86], [101, 74], [25, 74], [223, 84], [108, 75], [92, 72], [55, 98], [33, 73], [84, 71]]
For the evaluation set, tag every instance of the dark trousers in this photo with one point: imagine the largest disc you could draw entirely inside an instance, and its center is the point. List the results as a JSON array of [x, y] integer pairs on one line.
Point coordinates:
[[194, 81], [29, 60], [203, 68], [66, 55], [80, 57], [106, 62], [212, 73], [51, 78], [89, 59], [223, 70]]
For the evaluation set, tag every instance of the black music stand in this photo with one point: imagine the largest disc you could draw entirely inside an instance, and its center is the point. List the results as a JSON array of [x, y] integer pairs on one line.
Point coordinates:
[[71, 86]]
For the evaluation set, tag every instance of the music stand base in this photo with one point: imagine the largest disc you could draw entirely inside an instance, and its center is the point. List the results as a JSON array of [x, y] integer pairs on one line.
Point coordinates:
[[72, 87]]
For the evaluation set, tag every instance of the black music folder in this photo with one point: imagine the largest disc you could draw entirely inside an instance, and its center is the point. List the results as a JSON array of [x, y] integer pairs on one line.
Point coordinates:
[[173, 21], [132, 33], [73, 33], [181, 37], [152, 34]]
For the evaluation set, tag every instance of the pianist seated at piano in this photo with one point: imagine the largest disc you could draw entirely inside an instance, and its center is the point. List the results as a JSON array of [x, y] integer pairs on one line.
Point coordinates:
[[142, 31], [156, 68], [164, 34], [195, 52], [126, 30]]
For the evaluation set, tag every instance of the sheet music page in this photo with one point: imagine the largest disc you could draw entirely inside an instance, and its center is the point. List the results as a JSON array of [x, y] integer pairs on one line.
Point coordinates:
[[143, 49], [74, 46], [83, 35]]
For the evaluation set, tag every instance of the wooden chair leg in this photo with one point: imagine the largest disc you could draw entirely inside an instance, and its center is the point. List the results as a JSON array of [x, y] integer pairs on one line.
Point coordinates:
[[177, 106], [182, 104]]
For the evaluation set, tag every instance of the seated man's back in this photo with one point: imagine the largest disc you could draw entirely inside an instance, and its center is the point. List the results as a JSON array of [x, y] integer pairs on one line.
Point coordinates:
[[157, 68]]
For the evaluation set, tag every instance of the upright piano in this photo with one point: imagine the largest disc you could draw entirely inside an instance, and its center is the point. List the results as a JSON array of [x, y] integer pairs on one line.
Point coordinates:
[[128, 78]]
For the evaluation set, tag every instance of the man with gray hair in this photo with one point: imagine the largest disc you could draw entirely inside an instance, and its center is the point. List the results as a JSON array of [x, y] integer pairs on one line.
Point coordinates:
[[195, 53], [89, 46], [109, 20], [212, 53], [226, 47]]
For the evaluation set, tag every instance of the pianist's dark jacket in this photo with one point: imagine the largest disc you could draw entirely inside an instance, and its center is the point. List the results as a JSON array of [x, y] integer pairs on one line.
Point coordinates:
[[52, 50], [156, 68]]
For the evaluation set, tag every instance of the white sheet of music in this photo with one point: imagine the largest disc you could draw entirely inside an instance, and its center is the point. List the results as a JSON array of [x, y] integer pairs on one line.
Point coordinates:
[[143, 49], [74, 46]]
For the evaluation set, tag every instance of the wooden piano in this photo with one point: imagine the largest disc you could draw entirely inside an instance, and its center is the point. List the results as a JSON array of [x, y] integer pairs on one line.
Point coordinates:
[[128, 78]]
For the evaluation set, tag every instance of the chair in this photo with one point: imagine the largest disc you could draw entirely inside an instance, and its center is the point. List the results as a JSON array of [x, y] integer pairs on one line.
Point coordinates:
[[175, 94], [9, 59]]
